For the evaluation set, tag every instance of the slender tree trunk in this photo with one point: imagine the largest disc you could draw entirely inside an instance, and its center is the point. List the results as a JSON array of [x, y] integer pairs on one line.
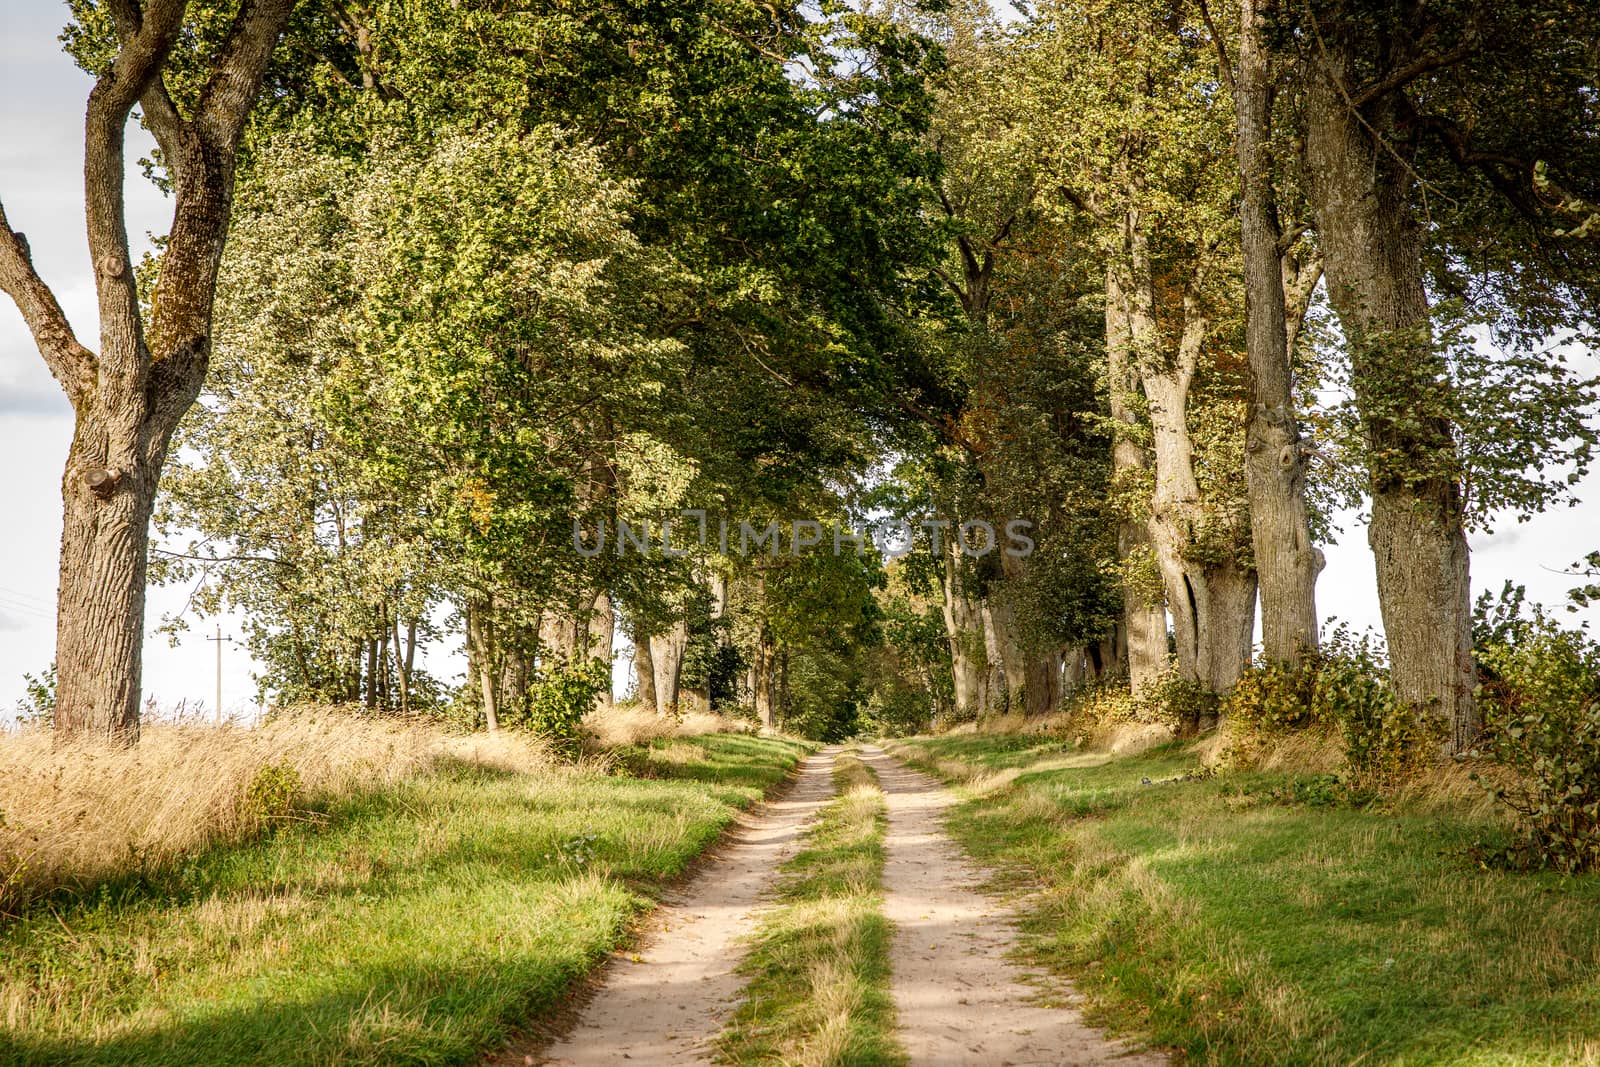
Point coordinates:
[[963, 626], [644, 673], [481, 660], [402, 663], [1144, 623], [1286, 561], [1372, 246], [602, 640]]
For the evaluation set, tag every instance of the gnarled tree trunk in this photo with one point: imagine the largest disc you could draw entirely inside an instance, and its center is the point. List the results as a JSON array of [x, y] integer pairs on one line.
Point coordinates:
[[1372, 246], [1277, 290], [1144, 622]]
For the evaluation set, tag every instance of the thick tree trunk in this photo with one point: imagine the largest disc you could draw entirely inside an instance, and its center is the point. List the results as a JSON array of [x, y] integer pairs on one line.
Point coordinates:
[[1041, 691], [1286, 561], [1144, 623], [1372, 246], [1198, 551], [100, 600], [761, 681], [666, 656]]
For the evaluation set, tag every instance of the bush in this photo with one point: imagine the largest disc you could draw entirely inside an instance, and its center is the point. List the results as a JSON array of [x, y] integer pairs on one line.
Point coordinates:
[[1343, 689], [38, 704], [1542, 711], [272, 795], [559, 698], [1170, 700]]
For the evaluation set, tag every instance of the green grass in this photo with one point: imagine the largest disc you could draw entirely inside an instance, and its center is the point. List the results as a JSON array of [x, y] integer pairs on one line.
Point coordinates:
[[416, 925], [819, 964], [1211, 916]]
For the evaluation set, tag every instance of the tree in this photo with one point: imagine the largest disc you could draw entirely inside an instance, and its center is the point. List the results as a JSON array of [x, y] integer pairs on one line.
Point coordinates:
[[1422, 133], [128, 397], [1277, 292]]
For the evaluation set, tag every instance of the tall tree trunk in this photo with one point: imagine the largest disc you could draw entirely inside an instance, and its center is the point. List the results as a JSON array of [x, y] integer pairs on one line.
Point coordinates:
[[1144, 623], [666, 655], [481, 660], [403, 661], [1286, 561], [963, 627], [602, 640], [644, 672], [1197, 551], [762, 677], [1372, 247]]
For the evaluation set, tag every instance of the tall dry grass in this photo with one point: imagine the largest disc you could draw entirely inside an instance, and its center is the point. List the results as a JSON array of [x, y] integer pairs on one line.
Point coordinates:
[[74, 815], [630, 723]]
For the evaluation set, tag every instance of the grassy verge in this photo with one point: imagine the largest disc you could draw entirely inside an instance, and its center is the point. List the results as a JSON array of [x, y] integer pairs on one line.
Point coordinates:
[[819, 967], [418, 923], [1237, 920]]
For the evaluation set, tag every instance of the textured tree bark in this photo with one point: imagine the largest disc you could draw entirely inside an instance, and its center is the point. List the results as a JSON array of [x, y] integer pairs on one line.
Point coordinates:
[[1287, 563], [129, 396], [1144, 624], [1042, 684], [1017, 662], [963, 627], [762, 677], [644, 673], [603, 640], [481, 661], [1208, 587], [1372, 246], [666, 655]]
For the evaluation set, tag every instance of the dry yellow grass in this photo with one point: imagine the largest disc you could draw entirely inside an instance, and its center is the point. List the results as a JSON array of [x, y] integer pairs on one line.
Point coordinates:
[[631, 723], [72, 815]]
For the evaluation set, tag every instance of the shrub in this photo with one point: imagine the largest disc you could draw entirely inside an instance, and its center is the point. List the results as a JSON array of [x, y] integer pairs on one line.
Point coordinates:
[[1344, 689], [558, 700], [272, 795], [1542, 711], [38, 704], [1172, 701]]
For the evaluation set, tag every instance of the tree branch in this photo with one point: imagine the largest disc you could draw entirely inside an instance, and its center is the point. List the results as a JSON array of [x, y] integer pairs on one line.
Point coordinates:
[[230, 93], [1409, 73], [71, 363], [1224, 62]]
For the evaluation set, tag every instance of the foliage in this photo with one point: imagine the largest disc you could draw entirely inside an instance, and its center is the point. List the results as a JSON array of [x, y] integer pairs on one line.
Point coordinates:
[[273, 794], [1178, 702], [1542, 711], [560, 696], [1343, 690], [1524, 432], [38, 704]]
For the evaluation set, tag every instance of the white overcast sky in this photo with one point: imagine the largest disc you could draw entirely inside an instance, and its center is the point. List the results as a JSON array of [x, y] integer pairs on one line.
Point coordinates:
[[42, 97]]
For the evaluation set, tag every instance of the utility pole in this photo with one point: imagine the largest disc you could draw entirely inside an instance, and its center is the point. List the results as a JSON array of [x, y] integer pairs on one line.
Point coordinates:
[[219, 639]]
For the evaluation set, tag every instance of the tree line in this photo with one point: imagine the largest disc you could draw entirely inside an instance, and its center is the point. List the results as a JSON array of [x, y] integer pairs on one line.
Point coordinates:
[[1174, 283]]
